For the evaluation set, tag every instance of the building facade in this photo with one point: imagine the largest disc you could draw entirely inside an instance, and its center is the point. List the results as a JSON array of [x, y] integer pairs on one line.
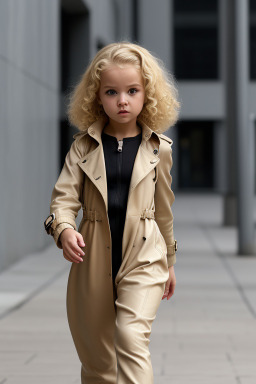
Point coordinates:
[[45, 46]]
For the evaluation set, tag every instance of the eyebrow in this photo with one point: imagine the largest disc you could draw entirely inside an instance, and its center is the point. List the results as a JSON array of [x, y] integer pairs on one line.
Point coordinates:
[[131, 85]]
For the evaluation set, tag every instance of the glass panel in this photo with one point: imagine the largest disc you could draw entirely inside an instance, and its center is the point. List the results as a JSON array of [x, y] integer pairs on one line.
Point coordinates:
[[196, 39], [195, 154], [253, 39]]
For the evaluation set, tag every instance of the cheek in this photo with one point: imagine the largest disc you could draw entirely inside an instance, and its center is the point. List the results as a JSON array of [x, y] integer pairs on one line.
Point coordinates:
[[142, 97], [108, 104], [140, 102]]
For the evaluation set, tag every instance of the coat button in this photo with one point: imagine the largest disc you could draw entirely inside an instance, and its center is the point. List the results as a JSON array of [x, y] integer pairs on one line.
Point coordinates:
[[92, 132], [155, 151], [84, 161]]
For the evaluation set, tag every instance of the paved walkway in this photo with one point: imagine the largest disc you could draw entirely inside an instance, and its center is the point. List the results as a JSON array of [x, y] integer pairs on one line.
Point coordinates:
[[205, 334]]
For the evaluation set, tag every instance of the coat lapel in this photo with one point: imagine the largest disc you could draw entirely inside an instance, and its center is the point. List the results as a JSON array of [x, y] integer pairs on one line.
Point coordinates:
[[93, 163]]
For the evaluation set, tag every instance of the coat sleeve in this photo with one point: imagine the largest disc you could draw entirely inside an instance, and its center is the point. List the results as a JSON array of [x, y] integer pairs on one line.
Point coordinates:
[[164, 198], [66, 195]]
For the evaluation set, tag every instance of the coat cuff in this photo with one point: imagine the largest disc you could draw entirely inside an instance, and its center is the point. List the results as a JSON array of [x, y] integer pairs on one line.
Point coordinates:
[[56, 223], [60, 228], [171, 253]]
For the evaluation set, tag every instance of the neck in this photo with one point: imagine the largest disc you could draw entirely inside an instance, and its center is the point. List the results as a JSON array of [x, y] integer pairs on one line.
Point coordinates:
[[123, 130]]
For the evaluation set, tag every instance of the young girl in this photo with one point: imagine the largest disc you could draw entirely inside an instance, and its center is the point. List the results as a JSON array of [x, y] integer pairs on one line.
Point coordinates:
[[118, 171]]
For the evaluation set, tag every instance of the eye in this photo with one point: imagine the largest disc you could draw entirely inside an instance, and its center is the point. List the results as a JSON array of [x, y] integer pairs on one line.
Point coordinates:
[[110, 90], [134, 89]]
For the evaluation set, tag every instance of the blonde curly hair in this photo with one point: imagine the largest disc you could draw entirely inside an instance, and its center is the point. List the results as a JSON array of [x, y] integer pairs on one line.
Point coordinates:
[[161, 107]]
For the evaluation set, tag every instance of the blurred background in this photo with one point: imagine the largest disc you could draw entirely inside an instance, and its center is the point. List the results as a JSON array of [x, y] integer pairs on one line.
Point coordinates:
[[210, 48]]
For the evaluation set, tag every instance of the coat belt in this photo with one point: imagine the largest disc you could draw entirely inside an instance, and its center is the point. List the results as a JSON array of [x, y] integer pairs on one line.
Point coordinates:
[[94, 215], [148, 213]]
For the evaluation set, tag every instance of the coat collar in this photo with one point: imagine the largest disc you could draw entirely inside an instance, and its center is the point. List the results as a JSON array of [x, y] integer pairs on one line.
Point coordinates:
[[95, 130], [93, 163]]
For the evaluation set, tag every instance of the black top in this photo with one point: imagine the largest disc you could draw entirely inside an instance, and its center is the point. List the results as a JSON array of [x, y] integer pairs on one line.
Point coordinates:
[[119, 166]]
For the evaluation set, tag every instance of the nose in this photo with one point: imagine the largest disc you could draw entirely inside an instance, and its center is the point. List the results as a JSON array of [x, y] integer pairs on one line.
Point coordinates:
[[122, 99]]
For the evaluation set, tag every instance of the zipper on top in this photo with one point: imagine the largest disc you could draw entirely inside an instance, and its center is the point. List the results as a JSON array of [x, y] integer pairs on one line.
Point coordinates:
[[120, 145], [119, 167], [119, 177]]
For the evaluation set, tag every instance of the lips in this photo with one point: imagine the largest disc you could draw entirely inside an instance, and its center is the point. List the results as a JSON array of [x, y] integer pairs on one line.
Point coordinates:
[[122, 112]]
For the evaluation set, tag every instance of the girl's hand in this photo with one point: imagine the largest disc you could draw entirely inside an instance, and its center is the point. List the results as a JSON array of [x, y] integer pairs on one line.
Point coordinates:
[[71, 241], [170, 284]]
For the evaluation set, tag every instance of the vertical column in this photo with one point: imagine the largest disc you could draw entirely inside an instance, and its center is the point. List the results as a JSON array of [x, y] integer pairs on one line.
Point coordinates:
[[155, 31], [242, 127], [227, 74], [174, 130]]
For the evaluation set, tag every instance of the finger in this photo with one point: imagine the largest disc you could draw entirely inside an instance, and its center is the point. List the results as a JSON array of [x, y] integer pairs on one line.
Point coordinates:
[[73, 255], [166, 291], [80, 239], [77, 249], [67, 258], [73, 247], [81, 242], [70, 258], [171, 292]]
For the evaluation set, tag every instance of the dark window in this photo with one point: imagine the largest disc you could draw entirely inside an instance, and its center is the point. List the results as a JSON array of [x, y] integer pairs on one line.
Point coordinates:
[[74, 57], [195, 154], [64, 49], [195, 6], [252, 14], [196, 39], [252, 6], [135, 23], [75, 38]]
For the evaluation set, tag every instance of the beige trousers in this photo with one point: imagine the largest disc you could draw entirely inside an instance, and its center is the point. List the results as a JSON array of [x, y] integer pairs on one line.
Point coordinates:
[[112, 335]]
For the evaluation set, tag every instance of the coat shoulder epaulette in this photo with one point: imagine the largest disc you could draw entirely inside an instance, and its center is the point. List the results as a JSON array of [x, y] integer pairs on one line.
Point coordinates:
[[166, 138], [79, 134]]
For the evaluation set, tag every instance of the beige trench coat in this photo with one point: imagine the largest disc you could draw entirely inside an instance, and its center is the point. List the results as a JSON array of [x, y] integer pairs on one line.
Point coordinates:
[[148, 249], [83, 183]]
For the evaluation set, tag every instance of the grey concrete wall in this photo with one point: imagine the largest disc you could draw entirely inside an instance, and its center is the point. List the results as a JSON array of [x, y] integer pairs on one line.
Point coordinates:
[[102, 23], [155, 28], [30, 111], [28, 120]]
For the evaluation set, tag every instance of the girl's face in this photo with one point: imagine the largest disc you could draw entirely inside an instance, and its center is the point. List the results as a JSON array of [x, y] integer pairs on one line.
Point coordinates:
[[122, 89]]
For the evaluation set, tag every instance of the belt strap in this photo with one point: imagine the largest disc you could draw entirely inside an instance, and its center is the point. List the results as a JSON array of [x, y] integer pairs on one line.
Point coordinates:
[[92, 215], [171, 249], [148, 213]]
